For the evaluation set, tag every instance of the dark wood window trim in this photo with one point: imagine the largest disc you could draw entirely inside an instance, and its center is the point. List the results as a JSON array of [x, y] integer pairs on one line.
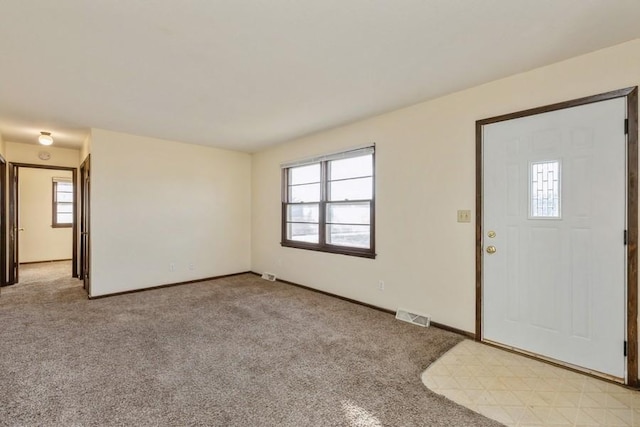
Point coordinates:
[[322, 246], [54, 207], [631, 95]]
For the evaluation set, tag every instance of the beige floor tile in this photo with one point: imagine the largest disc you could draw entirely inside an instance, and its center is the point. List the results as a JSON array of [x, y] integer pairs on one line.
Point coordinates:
[[615, 401], [515, 412], [567, 399], [506, 398], [595, 415], [470, 383], [593, 400], [530, 398], [569, 413], [547, 397], [619, 417], [492, 383], [555, 417], [445, 382], [531, 416], [460, 397], [519, 391], [629, 398], [515, 383], [496, 412]]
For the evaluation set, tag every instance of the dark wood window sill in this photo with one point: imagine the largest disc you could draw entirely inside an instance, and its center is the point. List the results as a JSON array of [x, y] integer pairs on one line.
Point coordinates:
[[362, 253]]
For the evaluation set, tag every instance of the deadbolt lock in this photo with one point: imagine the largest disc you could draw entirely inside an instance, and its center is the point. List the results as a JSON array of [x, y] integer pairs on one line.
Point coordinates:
[[491, 234]]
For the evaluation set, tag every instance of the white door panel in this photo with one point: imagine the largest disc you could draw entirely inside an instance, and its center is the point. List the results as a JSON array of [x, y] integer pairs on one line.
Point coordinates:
[[556, 284]]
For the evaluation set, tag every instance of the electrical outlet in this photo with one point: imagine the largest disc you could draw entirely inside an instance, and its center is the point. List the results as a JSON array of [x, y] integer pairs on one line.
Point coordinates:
[[381, 285], [172, 266], [464, 216]]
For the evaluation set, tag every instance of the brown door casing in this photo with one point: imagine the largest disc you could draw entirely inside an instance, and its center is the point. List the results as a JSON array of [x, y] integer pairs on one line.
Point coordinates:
[[3, 221], [631, 95], [85, 206], [13, 261], [13, 225]]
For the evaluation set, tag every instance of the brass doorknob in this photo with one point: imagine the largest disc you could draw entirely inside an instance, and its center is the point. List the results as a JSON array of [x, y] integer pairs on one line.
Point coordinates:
[[491, 249]]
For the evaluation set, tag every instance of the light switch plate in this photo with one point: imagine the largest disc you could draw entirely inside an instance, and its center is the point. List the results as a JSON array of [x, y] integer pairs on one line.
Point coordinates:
[[464, 216]]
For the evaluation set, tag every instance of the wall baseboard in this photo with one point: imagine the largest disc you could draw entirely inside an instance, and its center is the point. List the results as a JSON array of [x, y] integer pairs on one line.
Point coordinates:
[[168, 285], [48, 260], [469, 335], [287, 282]]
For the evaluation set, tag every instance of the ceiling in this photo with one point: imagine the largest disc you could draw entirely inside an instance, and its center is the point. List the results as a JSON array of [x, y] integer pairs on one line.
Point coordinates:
[[246, 74]]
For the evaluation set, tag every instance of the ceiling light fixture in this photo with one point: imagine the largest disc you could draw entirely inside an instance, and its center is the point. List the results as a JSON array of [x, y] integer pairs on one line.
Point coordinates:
[[45, 138]]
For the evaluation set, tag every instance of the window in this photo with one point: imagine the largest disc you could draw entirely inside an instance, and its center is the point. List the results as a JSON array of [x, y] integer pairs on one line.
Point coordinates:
[[544, 200], [62, 202], [328, 203]]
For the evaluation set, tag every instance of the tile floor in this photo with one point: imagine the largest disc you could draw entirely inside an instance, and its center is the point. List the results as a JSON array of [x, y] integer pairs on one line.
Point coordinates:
[[518, 391]]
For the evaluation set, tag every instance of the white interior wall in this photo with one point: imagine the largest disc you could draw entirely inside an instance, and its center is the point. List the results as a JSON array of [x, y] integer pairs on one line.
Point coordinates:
[[157, 204], [28, 153], [425, 166], [85, 150], [38, 240]]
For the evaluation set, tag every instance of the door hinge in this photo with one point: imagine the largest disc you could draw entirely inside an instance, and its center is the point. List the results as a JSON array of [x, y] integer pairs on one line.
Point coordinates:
[[626, 126], [626, 237], [625, 348]]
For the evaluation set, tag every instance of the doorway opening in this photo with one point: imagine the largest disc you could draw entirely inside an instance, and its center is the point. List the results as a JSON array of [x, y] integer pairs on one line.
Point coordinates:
[[557, 231], [42, 231]]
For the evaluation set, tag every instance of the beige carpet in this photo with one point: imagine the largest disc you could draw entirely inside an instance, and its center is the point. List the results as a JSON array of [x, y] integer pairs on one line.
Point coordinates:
[[238, 351], [43, 282]]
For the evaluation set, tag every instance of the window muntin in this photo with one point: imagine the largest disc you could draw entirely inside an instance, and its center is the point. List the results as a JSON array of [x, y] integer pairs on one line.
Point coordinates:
[[303, 232], [62, 202], [329, 204], [544, 190]]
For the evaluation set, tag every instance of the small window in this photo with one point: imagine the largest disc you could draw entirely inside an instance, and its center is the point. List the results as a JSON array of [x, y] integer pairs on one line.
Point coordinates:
[[62, 202], [328, 204], [545, 190]]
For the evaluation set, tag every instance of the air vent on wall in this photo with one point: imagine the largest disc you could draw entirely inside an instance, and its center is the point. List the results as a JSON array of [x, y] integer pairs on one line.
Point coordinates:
[[269, 276], [416, 319]]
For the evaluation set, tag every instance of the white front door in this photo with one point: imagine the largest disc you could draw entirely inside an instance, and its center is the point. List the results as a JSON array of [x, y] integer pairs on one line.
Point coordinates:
[[554, 201]]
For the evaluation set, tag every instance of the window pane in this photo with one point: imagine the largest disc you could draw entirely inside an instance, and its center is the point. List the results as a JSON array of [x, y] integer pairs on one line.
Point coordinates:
[[349, 213], [65, 208], [65, 218], [304, 193], [65, 186], [545, 190], [352, 189], [351, 168], [304, 174], [357, 236], [303, 213], [64, 197], [303, 232]]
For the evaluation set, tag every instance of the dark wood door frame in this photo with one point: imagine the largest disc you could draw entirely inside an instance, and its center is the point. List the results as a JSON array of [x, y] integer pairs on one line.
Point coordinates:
[[13, 217], [3, 221], [12, 268], [85, 238], [631, 124]]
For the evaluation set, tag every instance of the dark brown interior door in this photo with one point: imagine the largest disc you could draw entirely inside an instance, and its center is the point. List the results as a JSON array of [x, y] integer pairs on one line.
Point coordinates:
[[13, 225], [3, 221]]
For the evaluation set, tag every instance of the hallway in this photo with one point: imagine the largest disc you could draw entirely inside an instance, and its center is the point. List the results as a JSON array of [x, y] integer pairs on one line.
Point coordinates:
[[44, 282]]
